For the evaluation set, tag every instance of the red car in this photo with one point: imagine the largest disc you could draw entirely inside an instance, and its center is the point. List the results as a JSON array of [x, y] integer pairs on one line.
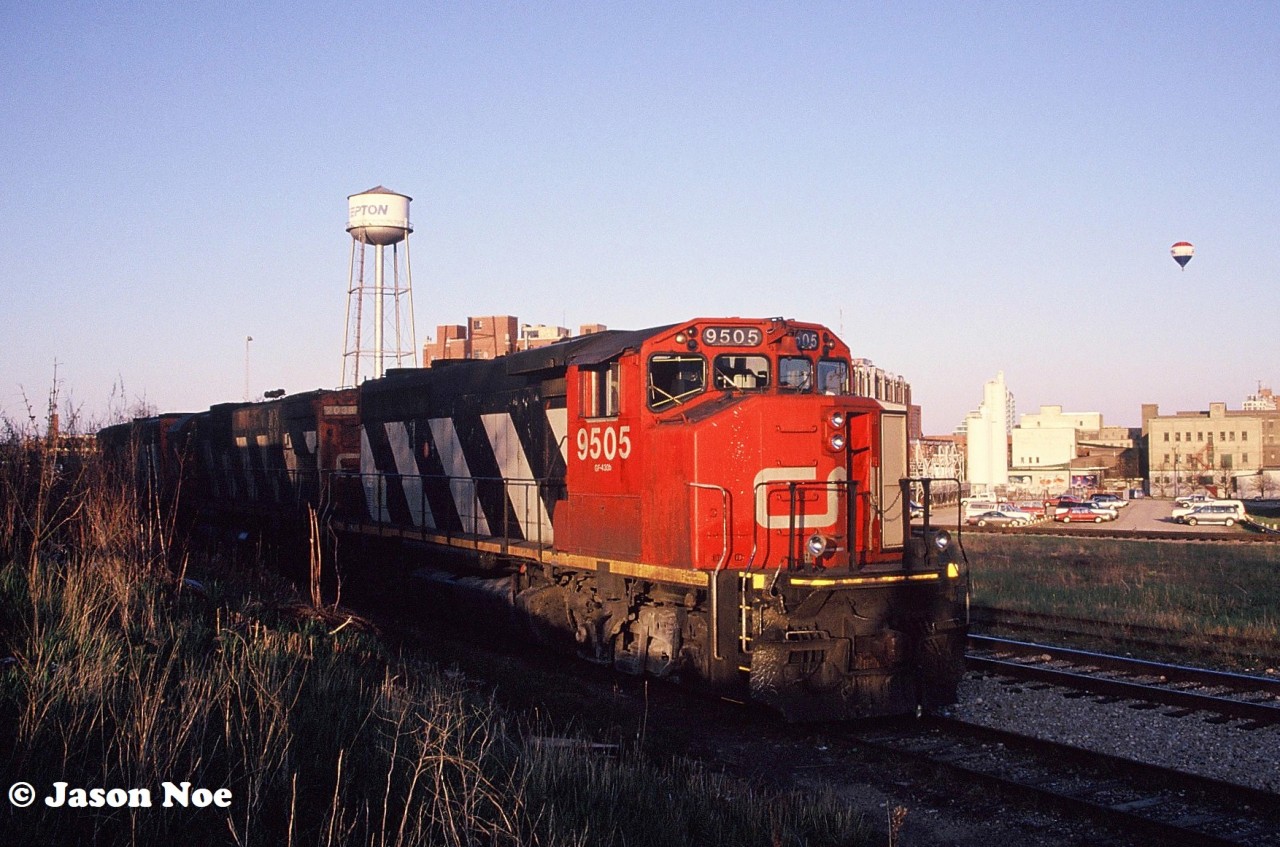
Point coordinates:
[[1083, 513]]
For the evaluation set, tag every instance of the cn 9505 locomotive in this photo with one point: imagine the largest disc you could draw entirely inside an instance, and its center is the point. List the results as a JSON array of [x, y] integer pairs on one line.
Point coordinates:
[[706, 502]]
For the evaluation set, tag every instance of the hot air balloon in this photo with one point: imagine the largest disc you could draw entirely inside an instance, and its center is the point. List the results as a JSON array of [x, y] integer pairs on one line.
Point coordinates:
[[1182, 252]]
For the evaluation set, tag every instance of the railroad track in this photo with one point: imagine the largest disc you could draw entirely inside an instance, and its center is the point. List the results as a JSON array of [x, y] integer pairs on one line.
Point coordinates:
[[1233, 696], [1159, 640], [1147, 803]]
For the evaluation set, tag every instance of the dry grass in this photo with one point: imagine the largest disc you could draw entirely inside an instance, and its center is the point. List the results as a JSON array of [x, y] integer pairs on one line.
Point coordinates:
[[1230, 590]]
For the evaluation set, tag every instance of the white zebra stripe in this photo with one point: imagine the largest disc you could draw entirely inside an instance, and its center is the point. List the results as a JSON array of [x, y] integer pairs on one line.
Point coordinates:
[[410, 477], [449, 449], [375, 483], [559, 420], [522, 491]]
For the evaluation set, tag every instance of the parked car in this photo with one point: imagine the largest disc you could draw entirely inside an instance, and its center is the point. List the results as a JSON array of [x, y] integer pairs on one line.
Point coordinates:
[[1093, 514], [1107, 513], [1180, 512], [1106, 498], [1224, 513], [999, 517], [1195, 499], [1065, 500], [1031, 507]]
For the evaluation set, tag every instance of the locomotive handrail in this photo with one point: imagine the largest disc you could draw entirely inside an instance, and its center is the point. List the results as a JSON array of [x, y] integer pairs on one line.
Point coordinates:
[[529, 514], [796, 518], [724, 557], [927, 511], [271, 485]]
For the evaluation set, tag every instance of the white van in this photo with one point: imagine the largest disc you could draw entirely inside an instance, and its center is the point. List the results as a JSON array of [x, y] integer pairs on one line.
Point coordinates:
[[1235, 508], [978, 505]]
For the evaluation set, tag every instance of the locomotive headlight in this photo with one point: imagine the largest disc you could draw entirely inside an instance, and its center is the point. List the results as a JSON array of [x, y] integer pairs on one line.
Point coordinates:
[[837, 420], [942, 540], [837, 442], [818, 545]]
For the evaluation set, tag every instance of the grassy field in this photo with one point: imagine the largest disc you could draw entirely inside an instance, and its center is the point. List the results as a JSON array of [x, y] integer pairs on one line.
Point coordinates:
[[128, 666], [1216, 590]]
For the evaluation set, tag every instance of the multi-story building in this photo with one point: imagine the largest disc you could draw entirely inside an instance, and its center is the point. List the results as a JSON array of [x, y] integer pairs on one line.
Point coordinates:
[[987, 437], [540, 335], [484, 337], [1262, 401], [493, 336], [1221, 449], [490, 336], [451, 342], [1053, 451]]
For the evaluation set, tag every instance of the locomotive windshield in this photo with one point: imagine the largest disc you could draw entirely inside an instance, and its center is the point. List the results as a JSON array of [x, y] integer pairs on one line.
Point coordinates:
[[674, 378], [833, 376], [795, 373], [741, 373]]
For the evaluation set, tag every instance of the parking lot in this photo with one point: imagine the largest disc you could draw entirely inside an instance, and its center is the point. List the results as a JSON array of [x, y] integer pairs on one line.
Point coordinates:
[[1141, 515], [1153, 515]]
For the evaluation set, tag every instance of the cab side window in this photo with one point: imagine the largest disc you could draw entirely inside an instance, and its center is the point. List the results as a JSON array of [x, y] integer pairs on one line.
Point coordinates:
[[601, 394], [674, 378]]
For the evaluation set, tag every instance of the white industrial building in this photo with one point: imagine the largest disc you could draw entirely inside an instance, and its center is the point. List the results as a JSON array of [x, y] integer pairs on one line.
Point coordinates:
[[987, 437], [1048, 438]]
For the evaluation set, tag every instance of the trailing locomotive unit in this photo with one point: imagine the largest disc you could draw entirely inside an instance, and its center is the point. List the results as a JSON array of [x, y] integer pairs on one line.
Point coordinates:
[[705, 501]]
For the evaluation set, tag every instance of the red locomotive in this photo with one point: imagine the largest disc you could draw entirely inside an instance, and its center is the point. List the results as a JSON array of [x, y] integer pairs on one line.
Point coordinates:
[[705, 501]]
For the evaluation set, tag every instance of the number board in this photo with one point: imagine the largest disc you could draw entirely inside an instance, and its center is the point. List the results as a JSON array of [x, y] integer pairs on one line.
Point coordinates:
[[731, 336], [806, 339]]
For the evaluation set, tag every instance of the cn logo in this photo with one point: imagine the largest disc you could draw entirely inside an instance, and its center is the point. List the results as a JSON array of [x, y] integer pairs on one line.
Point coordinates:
[[771, 486]]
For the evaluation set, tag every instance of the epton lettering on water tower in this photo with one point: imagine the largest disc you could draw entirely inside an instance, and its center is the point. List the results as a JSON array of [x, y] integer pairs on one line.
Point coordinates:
[[380, 326]]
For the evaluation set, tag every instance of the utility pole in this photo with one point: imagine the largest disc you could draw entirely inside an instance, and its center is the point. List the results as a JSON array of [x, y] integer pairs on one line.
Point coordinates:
[[247, 339]]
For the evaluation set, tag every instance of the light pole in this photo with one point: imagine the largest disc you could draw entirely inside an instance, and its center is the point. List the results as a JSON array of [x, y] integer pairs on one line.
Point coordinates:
[[247, 339]]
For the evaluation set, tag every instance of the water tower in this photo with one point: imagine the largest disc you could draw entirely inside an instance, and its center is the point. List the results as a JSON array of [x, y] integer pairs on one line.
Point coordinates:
[[380, 331]]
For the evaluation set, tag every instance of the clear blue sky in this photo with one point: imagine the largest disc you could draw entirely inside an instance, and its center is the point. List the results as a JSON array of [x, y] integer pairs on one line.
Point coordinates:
[[959, 188]]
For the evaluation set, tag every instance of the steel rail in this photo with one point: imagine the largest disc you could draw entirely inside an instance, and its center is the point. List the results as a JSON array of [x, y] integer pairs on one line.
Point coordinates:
[[1126, 631], [1263, 712], [1155, 802]]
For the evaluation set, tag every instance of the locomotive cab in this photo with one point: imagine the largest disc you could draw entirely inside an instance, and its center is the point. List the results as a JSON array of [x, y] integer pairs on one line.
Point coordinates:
[[734, 445]]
